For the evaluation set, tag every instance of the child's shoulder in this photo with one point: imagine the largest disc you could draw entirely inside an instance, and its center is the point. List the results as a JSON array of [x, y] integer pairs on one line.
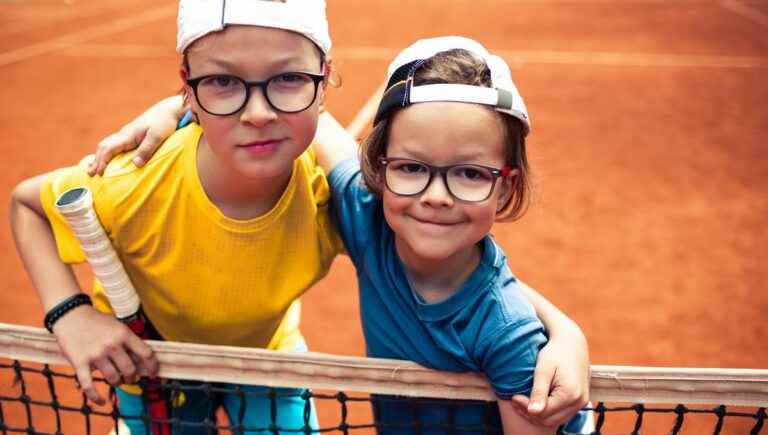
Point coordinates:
[[506, 290], [310, 173], [122, 165]]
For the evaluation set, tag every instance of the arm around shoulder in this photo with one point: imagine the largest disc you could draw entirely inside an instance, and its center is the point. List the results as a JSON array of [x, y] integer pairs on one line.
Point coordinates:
[[561, 378], [333, 144], [145, 134]]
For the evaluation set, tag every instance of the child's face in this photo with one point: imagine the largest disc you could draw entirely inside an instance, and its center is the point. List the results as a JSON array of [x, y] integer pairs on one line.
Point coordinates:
[[257, 141], [434, 225]]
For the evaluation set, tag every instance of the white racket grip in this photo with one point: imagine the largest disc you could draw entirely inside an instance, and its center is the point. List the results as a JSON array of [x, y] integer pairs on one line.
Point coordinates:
[[76, 205]]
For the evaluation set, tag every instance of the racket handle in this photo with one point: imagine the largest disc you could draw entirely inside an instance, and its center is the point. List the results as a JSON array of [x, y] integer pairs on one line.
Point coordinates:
[[76, 205]]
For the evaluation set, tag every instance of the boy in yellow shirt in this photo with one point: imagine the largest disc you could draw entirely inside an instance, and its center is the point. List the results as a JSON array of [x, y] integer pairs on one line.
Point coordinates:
[[223, 230]]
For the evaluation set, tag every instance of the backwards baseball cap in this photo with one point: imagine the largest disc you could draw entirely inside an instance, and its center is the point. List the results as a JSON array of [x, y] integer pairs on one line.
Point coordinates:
[[401, 91], [198, 18]]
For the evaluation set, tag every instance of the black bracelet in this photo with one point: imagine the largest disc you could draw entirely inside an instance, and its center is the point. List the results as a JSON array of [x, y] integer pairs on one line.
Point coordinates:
[[63, 307]]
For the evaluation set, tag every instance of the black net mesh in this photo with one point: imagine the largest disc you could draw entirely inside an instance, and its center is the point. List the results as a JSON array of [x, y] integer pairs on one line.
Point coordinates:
[[38, 399]]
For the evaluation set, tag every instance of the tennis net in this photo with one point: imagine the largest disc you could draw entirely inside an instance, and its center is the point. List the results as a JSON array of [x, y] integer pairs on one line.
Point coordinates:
[[38, 394]]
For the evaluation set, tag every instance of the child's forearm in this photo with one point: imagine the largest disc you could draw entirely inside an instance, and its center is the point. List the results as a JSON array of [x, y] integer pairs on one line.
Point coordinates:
[[173, 105], [333, 144], [513, 423], [53, 279], [89, 339], [554, 320]]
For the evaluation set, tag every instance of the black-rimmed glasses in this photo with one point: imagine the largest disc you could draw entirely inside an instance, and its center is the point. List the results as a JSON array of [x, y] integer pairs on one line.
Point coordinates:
[[225, 94], [465, 182]]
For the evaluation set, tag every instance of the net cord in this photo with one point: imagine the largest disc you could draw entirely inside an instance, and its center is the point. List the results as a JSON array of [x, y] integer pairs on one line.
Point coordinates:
[[741, 387]]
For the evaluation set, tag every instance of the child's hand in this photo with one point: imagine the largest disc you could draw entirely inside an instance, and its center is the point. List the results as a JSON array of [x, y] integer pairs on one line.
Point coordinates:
[[560, 381], [145, 134], [95, 341]]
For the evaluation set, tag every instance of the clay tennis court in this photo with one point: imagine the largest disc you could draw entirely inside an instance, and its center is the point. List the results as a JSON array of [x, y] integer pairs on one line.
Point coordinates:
[[650, 120]]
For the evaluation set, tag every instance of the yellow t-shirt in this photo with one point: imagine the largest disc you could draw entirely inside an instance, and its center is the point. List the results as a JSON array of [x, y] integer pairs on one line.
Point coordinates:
[[201, 276]]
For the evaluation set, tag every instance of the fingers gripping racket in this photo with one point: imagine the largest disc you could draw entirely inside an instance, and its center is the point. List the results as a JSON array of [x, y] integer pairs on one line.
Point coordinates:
[[76, 205]]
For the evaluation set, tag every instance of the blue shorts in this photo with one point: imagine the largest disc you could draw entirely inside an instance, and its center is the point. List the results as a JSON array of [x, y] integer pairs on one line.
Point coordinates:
[[200, 405]]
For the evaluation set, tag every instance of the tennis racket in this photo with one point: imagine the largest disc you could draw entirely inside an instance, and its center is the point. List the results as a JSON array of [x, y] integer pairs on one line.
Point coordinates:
[[76, 205]]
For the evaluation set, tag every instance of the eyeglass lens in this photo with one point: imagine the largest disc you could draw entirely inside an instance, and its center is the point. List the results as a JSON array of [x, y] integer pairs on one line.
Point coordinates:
[[226, 94], [465, 182]]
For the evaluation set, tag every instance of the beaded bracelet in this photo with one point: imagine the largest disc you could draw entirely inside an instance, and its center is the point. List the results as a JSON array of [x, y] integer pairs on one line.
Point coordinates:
[[63, 307]]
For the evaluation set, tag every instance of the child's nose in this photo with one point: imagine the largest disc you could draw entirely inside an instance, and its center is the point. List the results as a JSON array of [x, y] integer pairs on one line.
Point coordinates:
[[257, 109], [436, 194]]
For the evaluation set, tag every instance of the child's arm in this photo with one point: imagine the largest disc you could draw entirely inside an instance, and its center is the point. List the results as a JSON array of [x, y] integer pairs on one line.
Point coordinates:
[[145, 133], [561, 377], [514, 423], [88, 338], [333, 144]]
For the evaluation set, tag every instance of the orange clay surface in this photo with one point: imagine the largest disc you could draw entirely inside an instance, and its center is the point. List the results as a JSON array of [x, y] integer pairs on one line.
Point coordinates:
[[649, 127]]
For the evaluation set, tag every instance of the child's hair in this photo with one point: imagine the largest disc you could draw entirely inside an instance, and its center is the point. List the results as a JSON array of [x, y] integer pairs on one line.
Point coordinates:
[[458, 66]]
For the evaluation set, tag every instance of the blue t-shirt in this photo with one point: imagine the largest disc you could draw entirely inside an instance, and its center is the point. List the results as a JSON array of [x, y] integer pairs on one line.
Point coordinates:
[[486, 326]]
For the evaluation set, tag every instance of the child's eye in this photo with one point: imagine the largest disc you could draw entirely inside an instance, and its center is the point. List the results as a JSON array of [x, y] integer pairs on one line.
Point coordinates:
[[471, 173], [411, 168], [220, 82], [291, 79]]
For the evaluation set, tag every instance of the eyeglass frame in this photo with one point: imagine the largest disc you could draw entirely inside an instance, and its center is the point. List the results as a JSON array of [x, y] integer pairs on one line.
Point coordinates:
[[193, 83], [497, 173]]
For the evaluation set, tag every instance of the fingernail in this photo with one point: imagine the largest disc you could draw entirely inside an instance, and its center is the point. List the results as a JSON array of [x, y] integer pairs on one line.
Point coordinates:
[[535, 406], [138, 161]]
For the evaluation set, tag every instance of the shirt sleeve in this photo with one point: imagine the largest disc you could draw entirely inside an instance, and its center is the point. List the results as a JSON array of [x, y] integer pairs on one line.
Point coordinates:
[[355, 207], [508, 357]]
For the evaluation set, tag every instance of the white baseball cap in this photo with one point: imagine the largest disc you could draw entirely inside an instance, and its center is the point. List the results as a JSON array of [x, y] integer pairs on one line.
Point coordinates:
[[400, 92], [198, 18]]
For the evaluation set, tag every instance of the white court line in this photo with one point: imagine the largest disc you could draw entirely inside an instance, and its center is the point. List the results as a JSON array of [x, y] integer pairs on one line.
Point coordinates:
[[58, 12], [634, 59], [366, 113], [141, 51], [512, 56], [584, 58], [72, 39], [746, 11]]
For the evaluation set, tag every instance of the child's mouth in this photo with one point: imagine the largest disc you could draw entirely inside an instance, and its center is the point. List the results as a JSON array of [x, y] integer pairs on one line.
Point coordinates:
[[261, 146]]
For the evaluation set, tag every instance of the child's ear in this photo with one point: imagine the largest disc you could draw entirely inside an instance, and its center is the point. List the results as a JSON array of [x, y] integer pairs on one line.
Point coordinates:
[[506, 188], [327, 71], [184, 75]]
